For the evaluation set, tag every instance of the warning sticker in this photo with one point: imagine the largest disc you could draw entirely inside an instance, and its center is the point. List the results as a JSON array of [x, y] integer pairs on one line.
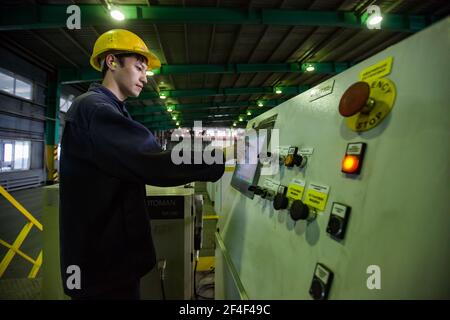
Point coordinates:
[[296, 188], [317, 196], [378, 70]]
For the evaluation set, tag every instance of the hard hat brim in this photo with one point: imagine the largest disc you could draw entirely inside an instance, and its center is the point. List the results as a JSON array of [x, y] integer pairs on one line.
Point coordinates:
[[152, 60]]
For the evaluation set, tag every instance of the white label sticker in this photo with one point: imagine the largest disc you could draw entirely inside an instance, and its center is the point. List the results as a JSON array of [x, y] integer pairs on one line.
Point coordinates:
[[322, 273], [354, 148], [298, 182], [339, 210], [319, 188], [271, 184], [283, 150], [306, 151], [321, 90]]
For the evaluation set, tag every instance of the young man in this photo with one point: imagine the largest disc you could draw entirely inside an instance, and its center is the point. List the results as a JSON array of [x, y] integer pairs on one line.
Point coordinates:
[[106, 160]]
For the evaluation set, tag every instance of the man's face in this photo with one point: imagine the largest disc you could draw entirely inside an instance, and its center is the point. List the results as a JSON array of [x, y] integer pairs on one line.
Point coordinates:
[[131, 77]]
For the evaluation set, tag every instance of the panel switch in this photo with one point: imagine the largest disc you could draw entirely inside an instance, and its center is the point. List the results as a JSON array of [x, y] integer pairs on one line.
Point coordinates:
[[321, 282], [293, 158], [338, 220]]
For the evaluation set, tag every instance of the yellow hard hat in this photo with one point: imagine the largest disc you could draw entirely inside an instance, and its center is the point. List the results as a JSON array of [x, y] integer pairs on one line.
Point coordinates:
[[123, 41]]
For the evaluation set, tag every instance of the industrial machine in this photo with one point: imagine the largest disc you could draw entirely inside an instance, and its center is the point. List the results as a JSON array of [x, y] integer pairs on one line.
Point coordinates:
[[357, 207], [173, 212]]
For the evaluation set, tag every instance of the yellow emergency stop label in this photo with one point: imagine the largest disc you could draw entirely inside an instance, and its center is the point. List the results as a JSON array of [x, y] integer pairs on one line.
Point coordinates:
[[382, 92], [295, 189], [378, 70], [317, 196]]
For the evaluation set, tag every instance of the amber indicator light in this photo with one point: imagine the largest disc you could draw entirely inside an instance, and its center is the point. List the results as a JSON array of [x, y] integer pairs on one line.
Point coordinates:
[[350, 164], [354, 155]]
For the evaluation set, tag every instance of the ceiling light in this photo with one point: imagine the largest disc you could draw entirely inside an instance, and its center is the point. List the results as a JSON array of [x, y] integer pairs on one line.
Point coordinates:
[[249, 113], [374, 19], [116, 14], [162, 95], [174, 117], [241, 119], [260, 104], [234, 124], [310, 68], [169, 109], [278, 91], [150, 73], [178, 123]]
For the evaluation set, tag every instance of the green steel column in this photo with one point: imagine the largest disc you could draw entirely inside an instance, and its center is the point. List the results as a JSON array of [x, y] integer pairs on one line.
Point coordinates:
[[52, 96]]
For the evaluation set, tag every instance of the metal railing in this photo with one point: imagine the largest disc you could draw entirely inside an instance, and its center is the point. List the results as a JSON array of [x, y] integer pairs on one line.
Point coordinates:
[[14, 248]]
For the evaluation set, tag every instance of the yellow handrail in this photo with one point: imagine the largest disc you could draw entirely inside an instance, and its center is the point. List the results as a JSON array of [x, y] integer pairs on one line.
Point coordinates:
[[19, 207], [15, 247]]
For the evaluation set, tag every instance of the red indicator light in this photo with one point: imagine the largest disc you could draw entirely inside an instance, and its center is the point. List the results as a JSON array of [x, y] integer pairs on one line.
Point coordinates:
[[350, 164]]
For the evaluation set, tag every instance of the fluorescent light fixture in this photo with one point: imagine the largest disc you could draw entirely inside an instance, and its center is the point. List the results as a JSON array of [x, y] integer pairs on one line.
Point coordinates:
[[116, 14]]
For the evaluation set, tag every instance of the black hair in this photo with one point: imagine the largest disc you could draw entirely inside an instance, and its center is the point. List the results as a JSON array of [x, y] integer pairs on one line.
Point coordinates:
[[120, 57]]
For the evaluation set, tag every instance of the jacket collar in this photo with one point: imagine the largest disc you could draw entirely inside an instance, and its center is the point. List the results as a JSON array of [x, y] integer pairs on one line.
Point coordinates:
[[99, 88]]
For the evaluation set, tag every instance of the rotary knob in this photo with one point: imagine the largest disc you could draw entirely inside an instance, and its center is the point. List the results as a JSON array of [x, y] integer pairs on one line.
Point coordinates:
[[260, 191], [335, 226], [317, 290], [299, 211], [280, 202], [299, 160], [356, 99]]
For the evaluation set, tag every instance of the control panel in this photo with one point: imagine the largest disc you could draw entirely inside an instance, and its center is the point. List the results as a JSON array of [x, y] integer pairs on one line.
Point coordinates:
[[354, 184]]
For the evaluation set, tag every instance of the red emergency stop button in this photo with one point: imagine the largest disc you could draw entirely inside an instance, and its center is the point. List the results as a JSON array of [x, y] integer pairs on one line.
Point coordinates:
[[354, 99]]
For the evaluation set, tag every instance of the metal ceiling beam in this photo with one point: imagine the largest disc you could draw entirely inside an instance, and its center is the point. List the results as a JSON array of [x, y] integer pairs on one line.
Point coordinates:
[[26, 53], [53, 48], [205, 124], [292, 90], [199, 116], [74, 42], [55, 16], [164, 122], [196, 115], [193, 116], [75, 75], [138, 111]]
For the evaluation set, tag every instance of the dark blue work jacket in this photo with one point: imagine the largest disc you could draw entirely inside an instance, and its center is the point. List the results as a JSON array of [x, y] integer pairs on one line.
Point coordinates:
[[106, 160]]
